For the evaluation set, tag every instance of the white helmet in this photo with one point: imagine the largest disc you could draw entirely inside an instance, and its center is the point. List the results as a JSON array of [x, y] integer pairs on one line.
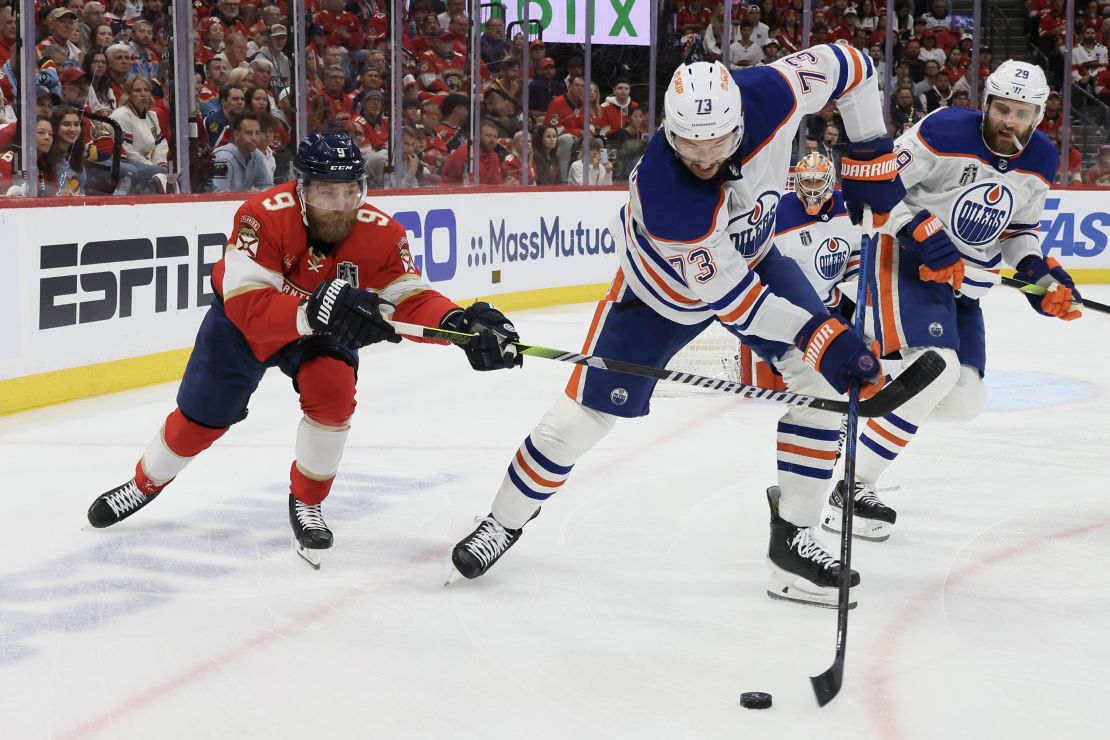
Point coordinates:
[[703, 102], [1020, 81], [814, 180]]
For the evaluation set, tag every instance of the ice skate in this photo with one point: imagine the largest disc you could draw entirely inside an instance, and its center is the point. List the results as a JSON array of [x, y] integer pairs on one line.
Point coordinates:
[[871, 518], [310, 530], [802, 570], [478, 551], [118, 504]]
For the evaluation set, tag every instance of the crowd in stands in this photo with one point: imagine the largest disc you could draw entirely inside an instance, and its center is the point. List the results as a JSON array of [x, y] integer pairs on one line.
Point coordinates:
[[106, 64]]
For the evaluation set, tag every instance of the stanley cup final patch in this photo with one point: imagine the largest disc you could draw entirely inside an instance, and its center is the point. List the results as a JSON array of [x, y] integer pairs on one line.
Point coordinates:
[[348, 272]]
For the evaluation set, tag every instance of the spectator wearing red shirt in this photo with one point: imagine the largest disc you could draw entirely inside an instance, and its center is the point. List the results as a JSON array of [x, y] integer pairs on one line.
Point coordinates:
[[1099, 173], [434, 148], [1093, 18], [335, 84], [694, 17], [342, 28], [789, 33], [577, 121], [1102, 85], [617, 107], [375, 126], [227, 12], [455, 112], [458, 30], [8, 25], [512, 165], [211, 41], [1053, 116], [1051, 28], [566, 105], [986, 62], [846, 31], [441, 69], [489, 163]]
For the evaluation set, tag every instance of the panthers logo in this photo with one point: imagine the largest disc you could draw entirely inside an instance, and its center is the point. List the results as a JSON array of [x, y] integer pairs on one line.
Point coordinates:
[[981, 213]]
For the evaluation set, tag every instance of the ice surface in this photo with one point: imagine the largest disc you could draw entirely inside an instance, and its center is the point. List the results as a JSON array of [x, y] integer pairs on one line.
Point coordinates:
[[633, 607]]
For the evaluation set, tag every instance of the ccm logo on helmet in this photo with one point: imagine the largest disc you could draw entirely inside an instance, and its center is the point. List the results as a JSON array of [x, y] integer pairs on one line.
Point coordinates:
[[342, 167]]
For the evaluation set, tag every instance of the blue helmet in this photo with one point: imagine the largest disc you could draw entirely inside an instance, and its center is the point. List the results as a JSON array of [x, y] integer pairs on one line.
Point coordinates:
[[330, 156]]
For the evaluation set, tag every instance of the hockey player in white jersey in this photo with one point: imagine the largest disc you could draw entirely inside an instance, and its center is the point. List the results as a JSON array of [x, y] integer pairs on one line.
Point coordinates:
[[696, 246], [976, 185]]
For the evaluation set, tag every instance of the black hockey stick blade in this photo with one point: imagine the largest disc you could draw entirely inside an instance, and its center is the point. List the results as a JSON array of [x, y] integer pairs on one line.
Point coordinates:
[[923, 371], [827, 685]]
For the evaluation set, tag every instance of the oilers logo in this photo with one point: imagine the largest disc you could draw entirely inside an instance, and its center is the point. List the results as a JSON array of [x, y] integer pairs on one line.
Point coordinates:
[[750, 230], [981, 213], [831, 257]]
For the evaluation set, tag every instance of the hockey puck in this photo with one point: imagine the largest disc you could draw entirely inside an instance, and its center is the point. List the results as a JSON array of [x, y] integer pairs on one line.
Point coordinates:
[[755, 700]]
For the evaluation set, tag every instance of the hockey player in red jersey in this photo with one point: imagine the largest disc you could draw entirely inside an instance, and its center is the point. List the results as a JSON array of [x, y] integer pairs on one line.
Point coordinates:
[[312, 273]]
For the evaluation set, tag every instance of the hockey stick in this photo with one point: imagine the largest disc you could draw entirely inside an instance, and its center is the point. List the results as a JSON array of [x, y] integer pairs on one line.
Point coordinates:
[[1024, 287], [827, 685], [895, 393]]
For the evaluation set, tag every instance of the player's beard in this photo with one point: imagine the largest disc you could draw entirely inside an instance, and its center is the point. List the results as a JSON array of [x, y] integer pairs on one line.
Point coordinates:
[[330, 226], [706, 173], [1003, 143]]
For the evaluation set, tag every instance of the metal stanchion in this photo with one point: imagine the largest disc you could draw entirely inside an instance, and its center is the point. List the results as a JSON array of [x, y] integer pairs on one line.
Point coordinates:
[[726, 33], [525, 62], [588, 71], [396, 95], [300, 69], [183, 93], [28, 102], [1065, 132]]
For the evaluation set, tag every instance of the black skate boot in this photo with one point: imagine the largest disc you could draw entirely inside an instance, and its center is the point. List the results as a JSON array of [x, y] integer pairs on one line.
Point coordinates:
[[802, 570], [871, 519], [118, 504], [478, 551], [309, 528]]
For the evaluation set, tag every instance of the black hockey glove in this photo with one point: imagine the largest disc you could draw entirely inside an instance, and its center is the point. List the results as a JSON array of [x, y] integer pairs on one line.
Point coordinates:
[[352, 315], [493, 348]]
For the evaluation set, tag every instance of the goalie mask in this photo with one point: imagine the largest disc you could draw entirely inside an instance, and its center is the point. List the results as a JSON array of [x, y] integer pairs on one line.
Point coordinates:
[[814, 180]]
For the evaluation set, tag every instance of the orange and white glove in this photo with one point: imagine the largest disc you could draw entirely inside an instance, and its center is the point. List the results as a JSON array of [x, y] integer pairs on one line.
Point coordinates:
[[1060, 298], [925, 235]]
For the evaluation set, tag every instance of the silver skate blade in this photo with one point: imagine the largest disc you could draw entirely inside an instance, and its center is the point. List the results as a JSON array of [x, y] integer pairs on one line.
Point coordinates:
[[794, 600], [453, 575], [862, 529], [312, 557]]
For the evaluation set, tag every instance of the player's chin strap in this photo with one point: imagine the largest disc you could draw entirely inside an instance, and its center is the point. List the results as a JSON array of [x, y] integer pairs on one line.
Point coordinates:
[[913, 379], [993, 277]]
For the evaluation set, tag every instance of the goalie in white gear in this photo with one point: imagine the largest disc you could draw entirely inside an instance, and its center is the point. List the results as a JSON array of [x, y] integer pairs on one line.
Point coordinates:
[[696, 246], [976, 186]]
